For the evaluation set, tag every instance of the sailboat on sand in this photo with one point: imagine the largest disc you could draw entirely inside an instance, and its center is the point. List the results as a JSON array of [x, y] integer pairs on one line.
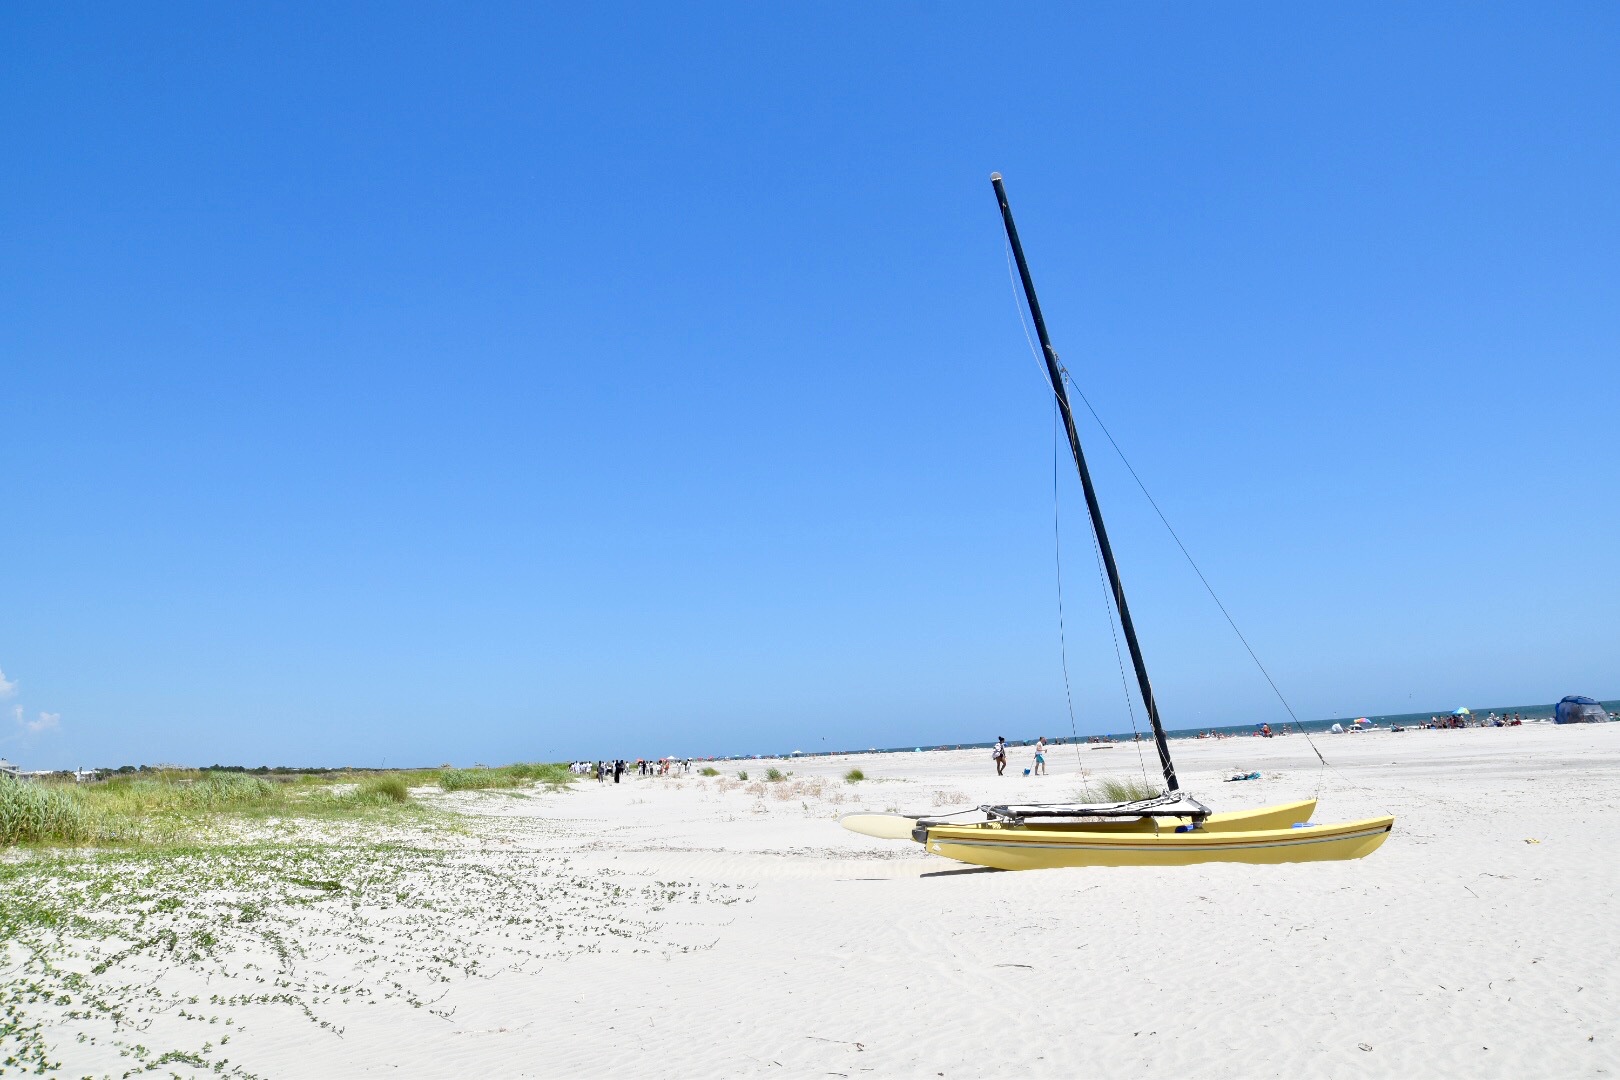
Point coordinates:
[[1171, 829]]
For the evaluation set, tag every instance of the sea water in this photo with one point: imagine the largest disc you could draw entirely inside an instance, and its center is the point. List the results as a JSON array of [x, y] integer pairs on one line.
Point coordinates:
[[1381, 720]]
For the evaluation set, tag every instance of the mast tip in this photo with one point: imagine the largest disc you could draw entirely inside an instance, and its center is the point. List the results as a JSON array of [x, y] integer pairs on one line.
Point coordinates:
[[995, 176]]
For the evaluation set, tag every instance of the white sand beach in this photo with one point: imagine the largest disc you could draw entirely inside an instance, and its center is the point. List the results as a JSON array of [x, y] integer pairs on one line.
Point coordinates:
[[688, 927]]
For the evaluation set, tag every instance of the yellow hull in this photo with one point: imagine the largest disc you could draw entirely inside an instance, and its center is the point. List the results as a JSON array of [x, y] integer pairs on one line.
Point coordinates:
[[1017, 847], [1281, 816]]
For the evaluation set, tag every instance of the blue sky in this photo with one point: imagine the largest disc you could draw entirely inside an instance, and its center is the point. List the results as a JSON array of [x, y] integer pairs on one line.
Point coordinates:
[[416, 384]]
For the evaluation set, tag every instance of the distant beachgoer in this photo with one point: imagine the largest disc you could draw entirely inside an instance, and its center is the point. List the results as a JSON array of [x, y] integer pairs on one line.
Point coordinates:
[[999, 755], [1040, 756]]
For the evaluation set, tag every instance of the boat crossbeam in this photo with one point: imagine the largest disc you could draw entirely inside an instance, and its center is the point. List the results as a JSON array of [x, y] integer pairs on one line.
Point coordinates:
[[1175, 804]]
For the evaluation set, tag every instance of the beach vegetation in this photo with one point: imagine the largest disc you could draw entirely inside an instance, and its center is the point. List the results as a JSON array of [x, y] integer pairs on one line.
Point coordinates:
[[506, 776], [774, 775], [384, 789], [742, 774], [1125, 789], [104, 943], [184, 792], [41, 814], [708, 770], [150, 807], [854, 776]]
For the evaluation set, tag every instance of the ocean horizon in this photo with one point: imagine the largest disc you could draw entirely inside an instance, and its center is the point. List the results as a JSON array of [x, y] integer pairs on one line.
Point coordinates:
[[1379, 720]]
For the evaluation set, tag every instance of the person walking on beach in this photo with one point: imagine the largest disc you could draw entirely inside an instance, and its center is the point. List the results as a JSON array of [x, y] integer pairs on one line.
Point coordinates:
[[999, 754], [1040, 756]]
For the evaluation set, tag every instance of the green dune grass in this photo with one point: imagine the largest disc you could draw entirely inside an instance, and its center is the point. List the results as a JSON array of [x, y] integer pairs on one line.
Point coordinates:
[[174, 806], [505, 776], [1115, 789], [39, 813]]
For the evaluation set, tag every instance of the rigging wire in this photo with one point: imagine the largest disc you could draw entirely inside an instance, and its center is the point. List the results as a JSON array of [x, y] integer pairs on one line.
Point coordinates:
[[1057, 538], [1069, 382], [1019, 309], [1113, 631], [1063, 644]]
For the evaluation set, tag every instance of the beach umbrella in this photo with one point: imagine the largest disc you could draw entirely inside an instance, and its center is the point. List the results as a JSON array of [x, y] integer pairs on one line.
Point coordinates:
[[1462, 712], [1361, 720]]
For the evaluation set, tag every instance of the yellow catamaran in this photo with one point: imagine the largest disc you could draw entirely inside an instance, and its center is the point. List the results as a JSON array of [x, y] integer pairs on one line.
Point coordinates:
[[1172, 829]]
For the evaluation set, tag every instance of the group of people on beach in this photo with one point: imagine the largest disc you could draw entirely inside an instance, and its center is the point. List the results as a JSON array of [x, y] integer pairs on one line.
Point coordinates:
[[663, 766], [1467, 720], [999, 756], [602, 771], [1261, 731], [599, 770]]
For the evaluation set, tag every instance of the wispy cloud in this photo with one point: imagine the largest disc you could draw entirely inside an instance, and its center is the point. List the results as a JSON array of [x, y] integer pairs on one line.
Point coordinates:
[[7, 686], [44, 721]]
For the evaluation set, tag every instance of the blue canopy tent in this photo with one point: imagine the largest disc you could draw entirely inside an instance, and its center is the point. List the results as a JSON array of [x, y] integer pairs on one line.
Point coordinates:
[[1576, 709]]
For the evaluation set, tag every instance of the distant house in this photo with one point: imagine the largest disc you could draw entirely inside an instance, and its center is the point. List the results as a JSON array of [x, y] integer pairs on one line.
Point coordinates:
[[8, 770]]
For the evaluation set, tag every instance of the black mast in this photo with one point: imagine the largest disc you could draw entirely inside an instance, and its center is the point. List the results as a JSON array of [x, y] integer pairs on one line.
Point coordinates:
[[1054, 372]]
